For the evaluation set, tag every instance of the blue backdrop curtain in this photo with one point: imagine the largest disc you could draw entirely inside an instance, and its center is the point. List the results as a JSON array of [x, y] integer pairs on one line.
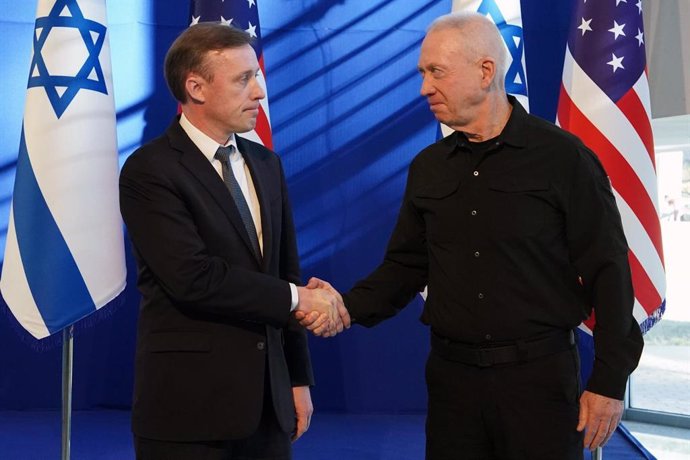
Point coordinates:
[[347, 119]]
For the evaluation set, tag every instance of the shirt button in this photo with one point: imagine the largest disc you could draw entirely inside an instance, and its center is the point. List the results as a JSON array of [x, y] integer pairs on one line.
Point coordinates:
[[476, 254], [487, 336], [476, 173], [474, 212], [480, 295], [260, 345]]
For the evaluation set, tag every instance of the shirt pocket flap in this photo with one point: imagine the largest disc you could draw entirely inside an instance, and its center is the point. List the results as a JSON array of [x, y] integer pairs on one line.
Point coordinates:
[[439, 190], [516, 185], [179, 341]]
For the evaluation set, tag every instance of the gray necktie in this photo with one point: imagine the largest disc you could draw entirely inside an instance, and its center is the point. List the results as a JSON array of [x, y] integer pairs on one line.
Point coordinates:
[[223, 155]]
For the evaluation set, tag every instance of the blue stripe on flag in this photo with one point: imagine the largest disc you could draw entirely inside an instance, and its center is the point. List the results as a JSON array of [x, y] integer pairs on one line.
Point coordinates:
[[51, 272]]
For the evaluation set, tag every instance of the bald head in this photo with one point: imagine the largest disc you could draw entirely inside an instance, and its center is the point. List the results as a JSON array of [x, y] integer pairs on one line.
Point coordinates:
[[477, 38]]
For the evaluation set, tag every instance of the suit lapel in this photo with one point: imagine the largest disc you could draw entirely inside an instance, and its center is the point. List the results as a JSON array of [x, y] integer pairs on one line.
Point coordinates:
[[257, 168], [198, 165]]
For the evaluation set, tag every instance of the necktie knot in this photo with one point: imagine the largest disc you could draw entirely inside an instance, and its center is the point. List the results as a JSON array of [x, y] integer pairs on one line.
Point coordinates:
[[223, 154]]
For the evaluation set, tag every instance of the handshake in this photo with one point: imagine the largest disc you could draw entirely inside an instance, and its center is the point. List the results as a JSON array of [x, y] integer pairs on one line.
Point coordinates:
[[321, 309]]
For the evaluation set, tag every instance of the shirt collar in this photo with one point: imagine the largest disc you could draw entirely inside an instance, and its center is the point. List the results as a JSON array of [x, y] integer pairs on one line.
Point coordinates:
[[204, 143], [514, 133]]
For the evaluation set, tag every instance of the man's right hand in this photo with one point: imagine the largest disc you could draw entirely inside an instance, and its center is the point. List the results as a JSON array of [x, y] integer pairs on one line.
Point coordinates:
[[317, 322], [317, 310]]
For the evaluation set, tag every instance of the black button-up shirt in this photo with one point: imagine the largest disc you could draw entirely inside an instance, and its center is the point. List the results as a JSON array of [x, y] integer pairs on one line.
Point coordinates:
[[515, 237]]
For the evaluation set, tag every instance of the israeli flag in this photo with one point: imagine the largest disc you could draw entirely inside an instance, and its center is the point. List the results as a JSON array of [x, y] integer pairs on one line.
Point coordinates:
[[64, 256], [507, 15]]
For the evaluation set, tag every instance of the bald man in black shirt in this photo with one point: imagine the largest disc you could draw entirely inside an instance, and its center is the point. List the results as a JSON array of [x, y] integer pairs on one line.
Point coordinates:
[[512, 224]]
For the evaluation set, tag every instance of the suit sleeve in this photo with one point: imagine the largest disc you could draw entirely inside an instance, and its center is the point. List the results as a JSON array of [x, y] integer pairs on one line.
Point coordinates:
[[161, 225], [296, 344]]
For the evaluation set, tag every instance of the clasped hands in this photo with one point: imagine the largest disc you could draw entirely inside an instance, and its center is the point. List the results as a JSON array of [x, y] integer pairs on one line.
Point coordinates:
[[321, 309]]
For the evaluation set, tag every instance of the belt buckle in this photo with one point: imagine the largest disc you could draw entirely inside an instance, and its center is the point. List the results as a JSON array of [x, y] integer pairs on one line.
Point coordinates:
[[484, 357]]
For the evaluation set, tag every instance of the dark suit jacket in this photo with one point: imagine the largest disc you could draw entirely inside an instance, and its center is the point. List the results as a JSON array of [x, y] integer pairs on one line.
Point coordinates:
[[214, 322]]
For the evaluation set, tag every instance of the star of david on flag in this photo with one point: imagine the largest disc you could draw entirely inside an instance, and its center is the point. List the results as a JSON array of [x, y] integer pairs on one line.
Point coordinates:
[[66, 22], [243, 14], [64, 256]]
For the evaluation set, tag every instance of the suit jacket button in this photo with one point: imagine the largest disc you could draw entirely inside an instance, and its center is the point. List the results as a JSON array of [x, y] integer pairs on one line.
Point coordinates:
[[260, 345]]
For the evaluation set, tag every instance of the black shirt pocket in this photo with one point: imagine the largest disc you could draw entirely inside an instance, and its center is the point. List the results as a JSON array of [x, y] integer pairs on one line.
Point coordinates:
[[438, 204], [519, 206]]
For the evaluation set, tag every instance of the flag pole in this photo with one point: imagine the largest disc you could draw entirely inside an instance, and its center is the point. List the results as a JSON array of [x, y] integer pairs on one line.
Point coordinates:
[[598, 454], [67, 352]]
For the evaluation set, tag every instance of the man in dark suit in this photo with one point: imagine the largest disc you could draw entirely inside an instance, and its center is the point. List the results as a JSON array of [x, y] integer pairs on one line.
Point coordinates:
[[222, 368], [512, 224]]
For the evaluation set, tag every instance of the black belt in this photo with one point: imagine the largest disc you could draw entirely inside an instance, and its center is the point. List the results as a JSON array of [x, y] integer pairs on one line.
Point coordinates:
[[512, 352]]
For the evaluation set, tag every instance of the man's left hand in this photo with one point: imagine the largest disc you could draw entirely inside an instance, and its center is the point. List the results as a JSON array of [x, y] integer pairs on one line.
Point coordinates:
[[303, 410], [599, 417]]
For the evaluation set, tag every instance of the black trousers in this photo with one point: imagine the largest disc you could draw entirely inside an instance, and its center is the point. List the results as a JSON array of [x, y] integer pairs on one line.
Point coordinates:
[[268, 442], [520, 411]]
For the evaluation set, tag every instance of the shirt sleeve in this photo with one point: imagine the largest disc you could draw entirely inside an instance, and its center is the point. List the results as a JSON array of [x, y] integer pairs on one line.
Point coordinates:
[[401, 275], [599, 251]]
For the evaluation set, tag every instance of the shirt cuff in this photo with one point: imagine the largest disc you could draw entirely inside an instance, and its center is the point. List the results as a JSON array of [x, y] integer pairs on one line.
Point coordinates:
[[295, 297]]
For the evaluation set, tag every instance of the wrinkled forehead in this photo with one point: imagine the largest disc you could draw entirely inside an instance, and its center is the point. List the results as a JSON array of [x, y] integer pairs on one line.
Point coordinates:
[[441, 45]]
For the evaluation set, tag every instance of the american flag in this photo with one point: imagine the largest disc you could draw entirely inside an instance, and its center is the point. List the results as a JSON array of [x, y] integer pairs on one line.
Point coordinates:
[[243, 14], [604, 100]]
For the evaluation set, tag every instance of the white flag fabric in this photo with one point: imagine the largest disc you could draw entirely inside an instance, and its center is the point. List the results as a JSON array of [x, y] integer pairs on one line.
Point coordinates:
[[507, 16], [64, 256]]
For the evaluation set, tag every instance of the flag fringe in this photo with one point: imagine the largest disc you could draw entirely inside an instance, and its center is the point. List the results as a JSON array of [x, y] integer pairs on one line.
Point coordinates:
[[653, 318], [54, 341]]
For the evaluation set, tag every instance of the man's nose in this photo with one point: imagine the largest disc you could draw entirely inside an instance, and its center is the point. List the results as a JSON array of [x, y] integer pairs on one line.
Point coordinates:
[[426, 88], [258, 91]]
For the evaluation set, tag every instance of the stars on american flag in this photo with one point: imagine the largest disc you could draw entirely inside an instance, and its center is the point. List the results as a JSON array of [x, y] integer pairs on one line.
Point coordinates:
[[616, 62], [585, 27], [251, 30], [617, 30], [606, 42], [242, 14]]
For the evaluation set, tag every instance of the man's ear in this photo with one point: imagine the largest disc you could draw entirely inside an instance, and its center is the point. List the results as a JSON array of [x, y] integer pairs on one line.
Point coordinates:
[[194, 85], [488, 72]]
